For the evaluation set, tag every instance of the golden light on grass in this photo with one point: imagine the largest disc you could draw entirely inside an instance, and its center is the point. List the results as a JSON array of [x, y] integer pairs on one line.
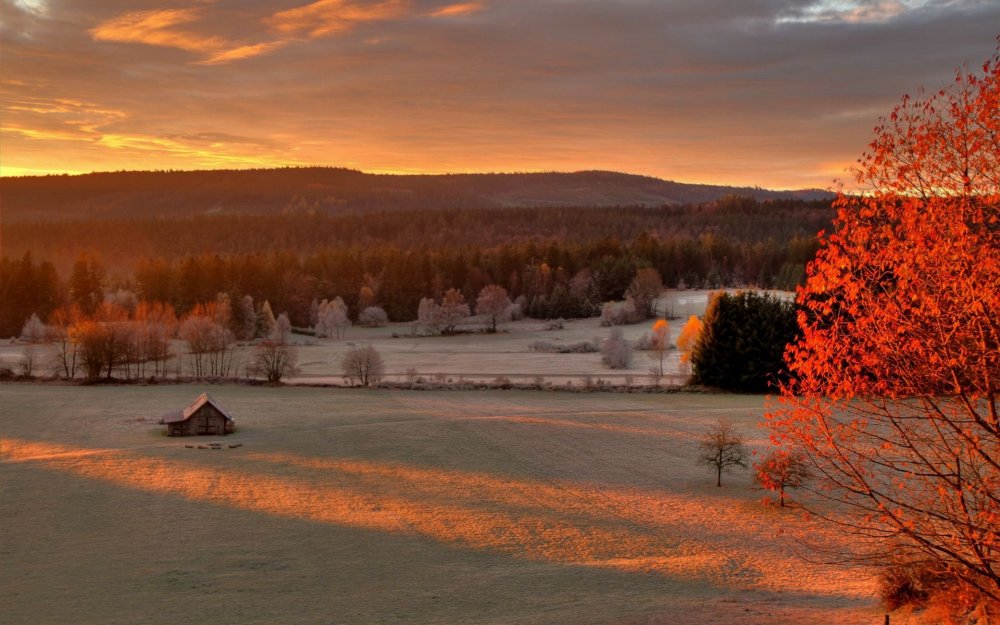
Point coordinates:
[[569, 522]]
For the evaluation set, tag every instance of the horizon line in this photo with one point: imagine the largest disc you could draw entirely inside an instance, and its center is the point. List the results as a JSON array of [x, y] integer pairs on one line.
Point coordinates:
[[399, 172]]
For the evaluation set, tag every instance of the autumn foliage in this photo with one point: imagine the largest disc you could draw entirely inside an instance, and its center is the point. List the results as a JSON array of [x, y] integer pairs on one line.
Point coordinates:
[[894, 397]]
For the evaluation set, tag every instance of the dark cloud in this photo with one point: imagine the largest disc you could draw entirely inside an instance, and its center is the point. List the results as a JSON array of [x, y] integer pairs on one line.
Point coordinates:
[[772, 92]]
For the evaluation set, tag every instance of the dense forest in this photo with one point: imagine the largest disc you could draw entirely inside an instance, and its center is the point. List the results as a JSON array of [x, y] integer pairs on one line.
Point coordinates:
[[121, 243], [563, 262]]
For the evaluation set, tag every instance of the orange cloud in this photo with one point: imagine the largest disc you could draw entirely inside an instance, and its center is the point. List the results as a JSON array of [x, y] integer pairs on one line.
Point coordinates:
[[242, 52], [457, 10], [158, 28], [51, 135], [155, 28], [325, 17]]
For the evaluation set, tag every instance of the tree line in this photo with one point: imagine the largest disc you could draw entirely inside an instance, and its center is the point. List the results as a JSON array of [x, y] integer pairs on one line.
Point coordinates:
[[548, 280]]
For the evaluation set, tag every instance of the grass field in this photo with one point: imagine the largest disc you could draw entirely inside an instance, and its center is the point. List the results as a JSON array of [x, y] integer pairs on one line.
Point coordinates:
[[346, 506]]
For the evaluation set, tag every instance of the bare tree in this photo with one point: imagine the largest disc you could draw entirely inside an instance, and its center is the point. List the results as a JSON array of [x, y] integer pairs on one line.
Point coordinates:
[[722, 447], [156, 325], [60, 323], [209, 339], [29, 357], [363, 364], [274, 360], [494, 304]]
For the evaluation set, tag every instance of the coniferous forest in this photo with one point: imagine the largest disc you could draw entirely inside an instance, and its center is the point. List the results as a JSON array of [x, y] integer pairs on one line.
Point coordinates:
[[564, 261]]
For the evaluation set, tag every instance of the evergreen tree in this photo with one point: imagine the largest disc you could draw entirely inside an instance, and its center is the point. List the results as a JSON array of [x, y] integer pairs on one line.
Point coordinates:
[[742, 344]]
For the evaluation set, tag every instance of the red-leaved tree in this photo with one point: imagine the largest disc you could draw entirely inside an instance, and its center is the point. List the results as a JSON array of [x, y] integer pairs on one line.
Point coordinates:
[[894, 396]]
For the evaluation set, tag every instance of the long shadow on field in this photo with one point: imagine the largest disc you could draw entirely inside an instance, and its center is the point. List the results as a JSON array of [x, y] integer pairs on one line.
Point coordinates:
[[561, 522]]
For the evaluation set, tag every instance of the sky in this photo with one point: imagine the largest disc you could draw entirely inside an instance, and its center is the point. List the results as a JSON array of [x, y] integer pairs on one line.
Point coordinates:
[[772, 93]]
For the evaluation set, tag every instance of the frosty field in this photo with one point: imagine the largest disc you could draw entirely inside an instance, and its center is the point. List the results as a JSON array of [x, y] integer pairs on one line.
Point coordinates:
[[471, 356], [350, 506]]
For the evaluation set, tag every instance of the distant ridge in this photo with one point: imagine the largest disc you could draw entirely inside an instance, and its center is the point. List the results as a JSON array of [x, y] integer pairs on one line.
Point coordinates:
[[154, 194]]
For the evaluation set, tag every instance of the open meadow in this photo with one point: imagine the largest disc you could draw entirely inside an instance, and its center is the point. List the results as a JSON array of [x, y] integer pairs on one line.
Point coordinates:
[[471, 356], [353, 506]]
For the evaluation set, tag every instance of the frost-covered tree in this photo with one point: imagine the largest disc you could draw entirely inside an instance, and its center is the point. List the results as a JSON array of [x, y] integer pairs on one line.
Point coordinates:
[[429, 315], [373, 317], [493, 304], [332, 320], [313, 312], [34, 330], [282, 331], [453, 309], [265, 320], [363, 364], [616, 353], [124, 299]]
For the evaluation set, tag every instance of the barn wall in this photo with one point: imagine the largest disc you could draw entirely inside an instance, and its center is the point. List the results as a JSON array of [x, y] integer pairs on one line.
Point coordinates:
[[207, 420]]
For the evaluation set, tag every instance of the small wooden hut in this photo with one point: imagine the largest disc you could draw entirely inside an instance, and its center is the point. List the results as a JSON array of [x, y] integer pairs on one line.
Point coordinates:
[[203, 417]]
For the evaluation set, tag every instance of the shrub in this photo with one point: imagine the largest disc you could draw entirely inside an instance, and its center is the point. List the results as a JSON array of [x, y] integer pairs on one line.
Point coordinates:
[[616, 353], [373, 317]]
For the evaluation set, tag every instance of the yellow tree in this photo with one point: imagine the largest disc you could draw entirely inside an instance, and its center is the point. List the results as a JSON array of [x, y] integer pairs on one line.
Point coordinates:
[[659, 344], [688, 338]]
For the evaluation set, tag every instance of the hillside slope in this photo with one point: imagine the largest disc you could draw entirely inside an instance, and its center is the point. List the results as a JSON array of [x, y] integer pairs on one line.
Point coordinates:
[[335, 190]]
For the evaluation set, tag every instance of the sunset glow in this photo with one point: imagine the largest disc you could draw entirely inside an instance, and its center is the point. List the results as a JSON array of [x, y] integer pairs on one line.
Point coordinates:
[[576, 523], [781, 95]]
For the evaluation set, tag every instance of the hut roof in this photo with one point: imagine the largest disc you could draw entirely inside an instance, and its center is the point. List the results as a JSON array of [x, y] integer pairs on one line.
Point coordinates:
[[202, 399]]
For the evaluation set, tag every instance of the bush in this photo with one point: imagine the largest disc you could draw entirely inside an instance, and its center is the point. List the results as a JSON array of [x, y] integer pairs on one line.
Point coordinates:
[[616, 353], [548, 347], [373, 317]]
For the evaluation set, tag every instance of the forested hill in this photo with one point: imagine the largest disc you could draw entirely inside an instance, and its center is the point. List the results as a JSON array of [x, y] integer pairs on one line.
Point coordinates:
[[334, 190]]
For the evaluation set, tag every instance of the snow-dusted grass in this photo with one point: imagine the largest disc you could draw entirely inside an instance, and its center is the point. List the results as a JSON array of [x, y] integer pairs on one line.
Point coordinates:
[[350, 506], [473, 356]]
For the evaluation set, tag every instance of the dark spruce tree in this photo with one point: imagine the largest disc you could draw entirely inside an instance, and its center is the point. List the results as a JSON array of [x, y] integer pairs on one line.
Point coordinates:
[[742, 344]]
